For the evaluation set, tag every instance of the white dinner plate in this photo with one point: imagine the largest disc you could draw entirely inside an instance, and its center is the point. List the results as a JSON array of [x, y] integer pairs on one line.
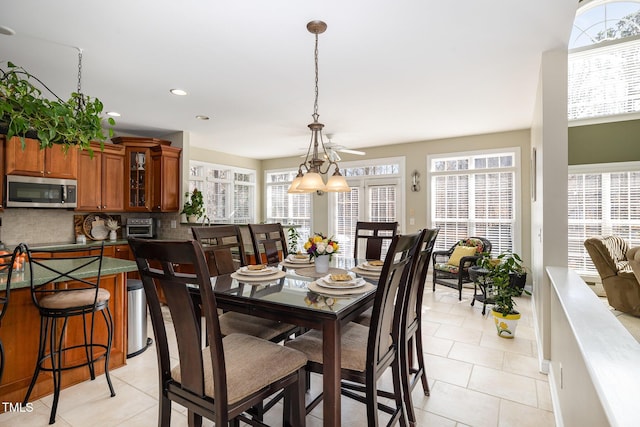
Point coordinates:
[[352, 284], [294, 260], [367, 266], [264, 272]]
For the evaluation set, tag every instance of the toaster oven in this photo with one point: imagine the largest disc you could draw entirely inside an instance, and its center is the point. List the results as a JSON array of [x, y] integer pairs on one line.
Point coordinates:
[[140, 227]]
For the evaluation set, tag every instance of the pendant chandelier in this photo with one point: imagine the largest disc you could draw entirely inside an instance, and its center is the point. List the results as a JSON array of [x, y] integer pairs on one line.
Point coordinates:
[[311, 180]]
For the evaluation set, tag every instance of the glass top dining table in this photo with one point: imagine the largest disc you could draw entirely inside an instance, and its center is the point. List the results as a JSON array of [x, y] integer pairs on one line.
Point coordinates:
[[288, 299]]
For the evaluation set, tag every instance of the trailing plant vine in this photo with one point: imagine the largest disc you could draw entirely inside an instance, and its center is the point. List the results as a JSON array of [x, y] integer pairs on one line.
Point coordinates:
[[25, 112]]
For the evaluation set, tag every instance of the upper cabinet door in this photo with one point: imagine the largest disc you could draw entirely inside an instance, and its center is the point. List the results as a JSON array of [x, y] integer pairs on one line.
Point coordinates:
[[32, 161]]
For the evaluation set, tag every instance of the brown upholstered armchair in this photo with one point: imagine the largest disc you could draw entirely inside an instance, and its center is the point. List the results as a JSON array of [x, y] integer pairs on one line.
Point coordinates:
[[609, 254]]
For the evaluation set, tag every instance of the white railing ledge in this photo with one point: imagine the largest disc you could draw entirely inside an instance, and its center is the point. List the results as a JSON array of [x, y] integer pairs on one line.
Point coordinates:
[[610, 353]]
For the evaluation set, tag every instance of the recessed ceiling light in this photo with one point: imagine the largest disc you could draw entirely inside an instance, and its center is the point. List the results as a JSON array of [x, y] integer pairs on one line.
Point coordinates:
[[7, 31], [179, 92], [113, 114], [201, 117]]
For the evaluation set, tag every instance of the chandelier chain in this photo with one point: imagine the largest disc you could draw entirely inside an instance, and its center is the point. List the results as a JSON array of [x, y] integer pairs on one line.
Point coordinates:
[[79, 71], [315, 114]]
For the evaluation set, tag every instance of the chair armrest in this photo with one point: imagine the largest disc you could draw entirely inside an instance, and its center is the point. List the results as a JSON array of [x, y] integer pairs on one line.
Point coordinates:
[[468, 261], [440, 254]]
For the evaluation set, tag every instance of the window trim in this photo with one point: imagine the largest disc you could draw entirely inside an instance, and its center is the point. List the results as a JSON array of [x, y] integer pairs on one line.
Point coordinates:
[[234, 169], [517, 184], [266, 185]]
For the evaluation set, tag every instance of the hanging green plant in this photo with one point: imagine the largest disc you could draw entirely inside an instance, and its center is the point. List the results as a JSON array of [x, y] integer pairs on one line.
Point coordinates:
[[25, 112]]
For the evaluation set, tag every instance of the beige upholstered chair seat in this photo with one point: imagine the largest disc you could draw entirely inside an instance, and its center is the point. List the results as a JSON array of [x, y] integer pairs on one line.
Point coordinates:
[[239, 323], [354, 346], [251, 365], [79, 298]]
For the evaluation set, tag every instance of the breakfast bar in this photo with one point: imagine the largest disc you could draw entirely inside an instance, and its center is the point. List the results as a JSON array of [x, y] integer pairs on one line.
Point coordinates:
[[20, 328]]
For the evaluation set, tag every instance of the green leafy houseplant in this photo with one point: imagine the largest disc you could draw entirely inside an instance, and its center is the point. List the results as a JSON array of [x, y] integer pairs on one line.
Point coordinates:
[[25, 112], [502, 272], [194, 206], [293, 237]]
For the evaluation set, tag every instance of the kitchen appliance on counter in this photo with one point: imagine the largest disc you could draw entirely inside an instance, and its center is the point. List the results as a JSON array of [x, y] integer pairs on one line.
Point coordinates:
[[36, 192], [140, 227]]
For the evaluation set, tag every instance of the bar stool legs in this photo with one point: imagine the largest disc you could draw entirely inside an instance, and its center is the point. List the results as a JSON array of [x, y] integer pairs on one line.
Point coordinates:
[[54, 342]]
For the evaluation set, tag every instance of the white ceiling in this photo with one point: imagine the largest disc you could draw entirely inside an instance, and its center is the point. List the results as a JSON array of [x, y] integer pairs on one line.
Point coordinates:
[[390, 71]]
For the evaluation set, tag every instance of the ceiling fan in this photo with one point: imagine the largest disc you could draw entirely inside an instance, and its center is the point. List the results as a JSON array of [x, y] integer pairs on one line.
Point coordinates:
[[333, 149]]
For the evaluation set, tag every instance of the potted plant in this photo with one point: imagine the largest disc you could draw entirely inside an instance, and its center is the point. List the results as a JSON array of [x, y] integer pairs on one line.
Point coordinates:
[[293, 237], [507, 275], [25, 112], [194, 206]]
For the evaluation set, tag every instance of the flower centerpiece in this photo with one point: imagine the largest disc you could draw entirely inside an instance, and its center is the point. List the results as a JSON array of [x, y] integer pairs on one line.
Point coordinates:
[[321, 248]]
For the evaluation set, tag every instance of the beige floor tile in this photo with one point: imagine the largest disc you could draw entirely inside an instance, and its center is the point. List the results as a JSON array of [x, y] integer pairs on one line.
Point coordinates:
[[513, 414], [523, 365], [436, 346], [424, 418], [517, 345], [39, 416], [544, 396], [463, 405], [477, 355], [444, 318], [447, 370], [459, 334], [505, 385]]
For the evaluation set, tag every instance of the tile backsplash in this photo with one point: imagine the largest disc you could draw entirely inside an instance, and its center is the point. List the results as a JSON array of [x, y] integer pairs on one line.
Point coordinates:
[[36, 226]]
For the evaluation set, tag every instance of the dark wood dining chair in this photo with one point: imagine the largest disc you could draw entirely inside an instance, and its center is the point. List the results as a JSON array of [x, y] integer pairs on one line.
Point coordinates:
[[57, 303], [269, 243], [367, 352], [374, 236], [221, 381], [411, 349], [224, 251], [7, 262]]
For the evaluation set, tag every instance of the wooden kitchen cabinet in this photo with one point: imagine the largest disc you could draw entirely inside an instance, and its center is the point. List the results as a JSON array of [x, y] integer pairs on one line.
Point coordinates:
[[152, 175], [51, 162], [101, 179], [165, 167]]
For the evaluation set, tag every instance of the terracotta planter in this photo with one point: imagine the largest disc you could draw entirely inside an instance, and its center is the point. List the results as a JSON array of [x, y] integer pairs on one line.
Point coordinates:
[[506, 325]]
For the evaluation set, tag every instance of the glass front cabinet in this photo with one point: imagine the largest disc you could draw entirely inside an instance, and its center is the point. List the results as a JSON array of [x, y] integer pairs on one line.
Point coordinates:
[[153, 175]]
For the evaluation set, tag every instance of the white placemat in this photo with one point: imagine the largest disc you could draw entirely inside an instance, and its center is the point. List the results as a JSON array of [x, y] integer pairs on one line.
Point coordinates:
[[258, 279], [314, 287]]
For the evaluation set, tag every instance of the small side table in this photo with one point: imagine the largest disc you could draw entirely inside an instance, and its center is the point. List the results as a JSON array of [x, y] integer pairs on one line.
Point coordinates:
[[480, 282]]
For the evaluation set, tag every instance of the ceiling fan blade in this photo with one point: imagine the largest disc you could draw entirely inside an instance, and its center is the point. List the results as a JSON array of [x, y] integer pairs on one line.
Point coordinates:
[[346, 150]]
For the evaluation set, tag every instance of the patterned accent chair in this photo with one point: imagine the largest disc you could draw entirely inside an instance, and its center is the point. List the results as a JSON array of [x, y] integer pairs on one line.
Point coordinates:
[[451, 267], [614, 261]]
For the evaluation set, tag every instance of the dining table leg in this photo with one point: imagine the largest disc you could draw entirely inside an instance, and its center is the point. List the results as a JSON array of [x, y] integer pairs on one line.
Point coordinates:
[[331, 357]]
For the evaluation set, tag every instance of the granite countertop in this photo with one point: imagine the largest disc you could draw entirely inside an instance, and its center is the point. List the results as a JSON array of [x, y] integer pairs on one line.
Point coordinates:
[[109, 266]]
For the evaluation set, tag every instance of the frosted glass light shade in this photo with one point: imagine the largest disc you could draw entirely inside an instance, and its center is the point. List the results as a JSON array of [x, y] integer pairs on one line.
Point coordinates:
[[293, 188], [337, 184], [312, 181]]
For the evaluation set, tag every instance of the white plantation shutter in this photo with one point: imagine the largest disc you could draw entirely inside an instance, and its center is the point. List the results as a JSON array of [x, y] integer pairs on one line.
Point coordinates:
[[602, 202], [474, 195], [287, 208], [605, 80], [348, 212]]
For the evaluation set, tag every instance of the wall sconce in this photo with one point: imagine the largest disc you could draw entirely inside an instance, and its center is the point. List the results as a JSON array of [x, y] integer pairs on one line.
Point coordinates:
[[415, 184]]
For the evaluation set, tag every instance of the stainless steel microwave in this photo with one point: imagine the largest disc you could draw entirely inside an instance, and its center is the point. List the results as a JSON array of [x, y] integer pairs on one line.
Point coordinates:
[[140, 227], [35, 192]]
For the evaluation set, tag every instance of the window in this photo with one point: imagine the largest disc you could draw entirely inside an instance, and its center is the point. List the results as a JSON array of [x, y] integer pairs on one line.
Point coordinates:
[[375, 196], [474, 194], [604, 61], [604, 199], [287, 208], [229, 193]]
